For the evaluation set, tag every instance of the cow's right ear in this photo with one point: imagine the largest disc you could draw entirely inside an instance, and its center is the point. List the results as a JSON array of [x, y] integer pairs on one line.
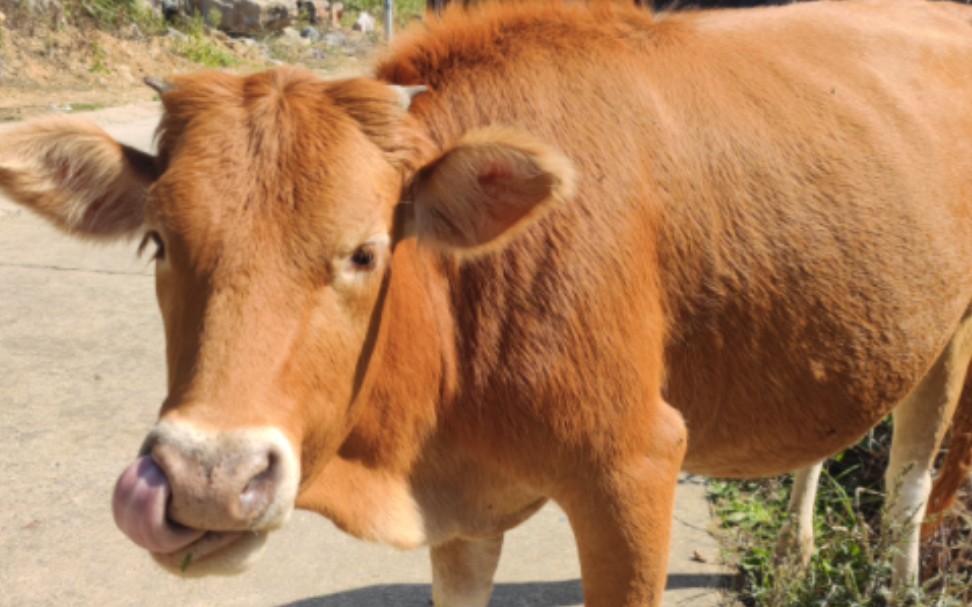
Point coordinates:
[[490, 185], [75, 175]]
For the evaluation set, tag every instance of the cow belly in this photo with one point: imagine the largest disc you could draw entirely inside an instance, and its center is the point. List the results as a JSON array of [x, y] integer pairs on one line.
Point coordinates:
[[786, 394], [769, 449], [776, 419]]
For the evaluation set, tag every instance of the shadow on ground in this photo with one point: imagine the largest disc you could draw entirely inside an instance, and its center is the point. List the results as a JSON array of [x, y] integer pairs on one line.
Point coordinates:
[[538, 594]]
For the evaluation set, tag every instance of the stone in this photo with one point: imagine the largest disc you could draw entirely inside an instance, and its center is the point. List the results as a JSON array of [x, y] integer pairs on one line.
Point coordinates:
[[310, 33], [312, 10], [365, 22], [174, 33], [337, 11], [247, 17], [332, 39]]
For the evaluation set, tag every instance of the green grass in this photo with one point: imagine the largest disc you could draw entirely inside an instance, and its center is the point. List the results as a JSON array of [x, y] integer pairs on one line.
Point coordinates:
[[854, 548], [99, 59], [377, 7], [87, 107], [199, 48], [205, 53], [404, 11], [407, 11]]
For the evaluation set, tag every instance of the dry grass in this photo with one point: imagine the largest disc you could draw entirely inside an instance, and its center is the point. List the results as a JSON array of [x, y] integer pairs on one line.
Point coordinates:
[[947, 556]]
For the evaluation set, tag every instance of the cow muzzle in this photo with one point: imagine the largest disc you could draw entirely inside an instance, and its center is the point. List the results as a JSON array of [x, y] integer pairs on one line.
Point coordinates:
[[203, 502]]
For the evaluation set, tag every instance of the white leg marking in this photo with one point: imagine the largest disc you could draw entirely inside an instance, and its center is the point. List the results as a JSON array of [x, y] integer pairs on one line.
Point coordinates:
[[797, 533], [920, 422]]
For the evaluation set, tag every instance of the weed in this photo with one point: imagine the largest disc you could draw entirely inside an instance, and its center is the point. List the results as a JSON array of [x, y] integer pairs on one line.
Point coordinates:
[[112, 13], [854, 548], [947, 557], [50, 44], [407, 11], [86, 107], [404, 11], [204, 52], [98, 58], [214, 18], [199, 48]]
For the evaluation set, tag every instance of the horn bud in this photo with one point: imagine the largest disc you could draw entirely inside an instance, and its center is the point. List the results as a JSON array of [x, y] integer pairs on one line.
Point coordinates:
[[407, 93], [160, 86]]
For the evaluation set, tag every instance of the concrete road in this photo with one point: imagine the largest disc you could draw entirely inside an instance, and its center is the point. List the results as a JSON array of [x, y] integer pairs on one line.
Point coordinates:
[[81, 378]]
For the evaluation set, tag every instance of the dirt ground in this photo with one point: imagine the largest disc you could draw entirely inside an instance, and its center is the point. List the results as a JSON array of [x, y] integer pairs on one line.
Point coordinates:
[[43, 69], [46, 65]]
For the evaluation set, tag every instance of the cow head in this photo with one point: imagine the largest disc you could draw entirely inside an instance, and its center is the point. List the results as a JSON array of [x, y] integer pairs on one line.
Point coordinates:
[[272, 211]]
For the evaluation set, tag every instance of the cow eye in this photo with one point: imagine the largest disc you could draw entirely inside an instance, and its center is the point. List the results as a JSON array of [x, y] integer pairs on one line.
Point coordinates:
[[156, 239], [364, 257]]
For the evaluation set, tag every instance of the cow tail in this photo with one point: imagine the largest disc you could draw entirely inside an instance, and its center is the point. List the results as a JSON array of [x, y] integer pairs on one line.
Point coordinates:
[[957, 467]]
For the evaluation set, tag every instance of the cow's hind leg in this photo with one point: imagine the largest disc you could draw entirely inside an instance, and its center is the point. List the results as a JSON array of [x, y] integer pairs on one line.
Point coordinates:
[[462, 571], [796, 535], [920, 422]]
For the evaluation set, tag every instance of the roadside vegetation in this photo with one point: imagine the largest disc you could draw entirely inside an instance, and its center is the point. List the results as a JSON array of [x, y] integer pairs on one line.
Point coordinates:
[[852, 563], [197, 46], [63, 55]]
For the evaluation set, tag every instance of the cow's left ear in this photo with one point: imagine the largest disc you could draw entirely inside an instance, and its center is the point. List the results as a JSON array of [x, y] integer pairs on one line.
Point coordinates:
[[491, 184]]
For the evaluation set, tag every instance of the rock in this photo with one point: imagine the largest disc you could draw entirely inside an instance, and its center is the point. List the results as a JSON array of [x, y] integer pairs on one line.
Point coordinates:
[[312, 10], [244, 17], [365, 22], [174, 33], [41, 6], [3, 18], [332, 39], [169, 9], [337, 11], [310, 33], [289, 34]]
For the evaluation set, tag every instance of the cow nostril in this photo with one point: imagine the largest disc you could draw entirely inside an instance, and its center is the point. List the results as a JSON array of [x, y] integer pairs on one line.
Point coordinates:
[[148, 445], [258, 492]]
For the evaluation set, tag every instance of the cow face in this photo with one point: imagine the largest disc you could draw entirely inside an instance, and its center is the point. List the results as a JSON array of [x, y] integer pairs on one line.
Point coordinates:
[[272, 212]]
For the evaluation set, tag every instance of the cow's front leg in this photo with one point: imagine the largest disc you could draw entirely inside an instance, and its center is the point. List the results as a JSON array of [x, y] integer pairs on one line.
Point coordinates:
[[621, 512], [462, 571]]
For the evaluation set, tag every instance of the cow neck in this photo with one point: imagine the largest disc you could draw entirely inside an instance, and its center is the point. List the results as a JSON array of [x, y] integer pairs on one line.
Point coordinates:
[[411, 370]]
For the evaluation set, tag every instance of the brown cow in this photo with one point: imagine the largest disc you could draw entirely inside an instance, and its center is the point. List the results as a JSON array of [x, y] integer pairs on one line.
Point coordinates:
[[424, 323]]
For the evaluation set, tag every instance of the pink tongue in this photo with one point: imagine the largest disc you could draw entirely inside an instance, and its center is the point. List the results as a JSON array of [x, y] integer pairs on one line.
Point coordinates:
[[139, 503]]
